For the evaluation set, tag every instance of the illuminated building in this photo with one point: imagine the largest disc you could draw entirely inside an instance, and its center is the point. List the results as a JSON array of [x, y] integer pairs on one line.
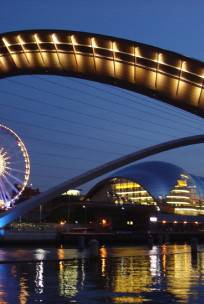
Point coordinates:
[[140, 197], [163, 186]]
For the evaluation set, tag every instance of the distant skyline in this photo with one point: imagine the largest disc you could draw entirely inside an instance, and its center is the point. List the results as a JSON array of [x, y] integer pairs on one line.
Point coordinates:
[[57, 117]]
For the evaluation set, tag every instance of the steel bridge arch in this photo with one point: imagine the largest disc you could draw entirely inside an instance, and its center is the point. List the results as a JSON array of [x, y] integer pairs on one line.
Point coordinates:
[[148, 70], [151, 71], [24, 207]]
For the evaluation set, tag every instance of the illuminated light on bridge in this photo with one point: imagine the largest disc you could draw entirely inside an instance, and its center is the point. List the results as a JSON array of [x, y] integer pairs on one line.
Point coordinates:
[[151, 71]]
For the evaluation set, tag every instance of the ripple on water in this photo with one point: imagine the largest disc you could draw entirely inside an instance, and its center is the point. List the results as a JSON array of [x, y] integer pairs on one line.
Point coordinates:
[[166, 274]]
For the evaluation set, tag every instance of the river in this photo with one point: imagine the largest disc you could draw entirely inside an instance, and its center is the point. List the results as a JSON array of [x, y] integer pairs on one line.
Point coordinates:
[[163, 274]]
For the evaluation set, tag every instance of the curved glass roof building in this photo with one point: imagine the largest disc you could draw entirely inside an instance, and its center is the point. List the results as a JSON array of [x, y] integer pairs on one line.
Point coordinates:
[[168, 187]]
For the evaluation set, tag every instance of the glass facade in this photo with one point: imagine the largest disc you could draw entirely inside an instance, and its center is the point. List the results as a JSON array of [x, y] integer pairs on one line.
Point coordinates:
[[126, 191], [167, 186], [184, 196]]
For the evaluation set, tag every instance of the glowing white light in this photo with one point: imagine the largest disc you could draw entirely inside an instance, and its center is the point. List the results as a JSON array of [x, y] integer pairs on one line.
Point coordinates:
[[39, 278], [23, 48], [153, 219], [2, 164], [72, 192]]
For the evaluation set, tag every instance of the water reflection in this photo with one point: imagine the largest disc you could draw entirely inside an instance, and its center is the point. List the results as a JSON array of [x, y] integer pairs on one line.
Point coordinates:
[[39, 278], [68, 278], [3, 291], [131, 278], [103, 256], [23, 291], [71, 277], [166, 274], [180, 273]]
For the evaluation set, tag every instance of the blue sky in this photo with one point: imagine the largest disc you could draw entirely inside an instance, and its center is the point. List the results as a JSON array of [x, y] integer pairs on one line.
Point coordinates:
[[66, 137]]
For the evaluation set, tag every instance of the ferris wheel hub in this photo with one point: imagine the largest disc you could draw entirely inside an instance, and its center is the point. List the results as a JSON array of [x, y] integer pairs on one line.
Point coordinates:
[[2, 163]]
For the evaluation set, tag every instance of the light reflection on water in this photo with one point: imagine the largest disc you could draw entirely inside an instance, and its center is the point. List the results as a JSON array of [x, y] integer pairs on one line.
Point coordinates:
[[166, 274]]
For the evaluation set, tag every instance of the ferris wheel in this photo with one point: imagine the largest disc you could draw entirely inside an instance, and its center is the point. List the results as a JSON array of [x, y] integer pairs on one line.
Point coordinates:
[[14, 167]]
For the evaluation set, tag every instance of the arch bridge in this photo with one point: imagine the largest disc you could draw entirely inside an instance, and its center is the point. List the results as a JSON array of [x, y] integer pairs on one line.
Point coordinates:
[[151, 71], [161, 74]]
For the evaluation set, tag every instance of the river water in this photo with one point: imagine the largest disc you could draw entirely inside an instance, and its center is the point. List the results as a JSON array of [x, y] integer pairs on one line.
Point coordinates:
[[164, 274]]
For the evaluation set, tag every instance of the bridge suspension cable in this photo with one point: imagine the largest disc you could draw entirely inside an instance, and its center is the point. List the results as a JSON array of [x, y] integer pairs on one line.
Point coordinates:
[[138, 100], [122, 115]]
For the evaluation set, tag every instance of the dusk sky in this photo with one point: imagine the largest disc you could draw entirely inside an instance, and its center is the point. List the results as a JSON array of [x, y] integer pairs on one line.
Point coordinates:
[[70, 125]]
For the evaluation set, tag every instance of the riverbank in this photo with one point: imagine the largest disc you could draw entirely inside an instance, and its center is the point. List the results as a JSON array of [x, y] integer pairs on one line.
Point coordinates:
[[120, 237]]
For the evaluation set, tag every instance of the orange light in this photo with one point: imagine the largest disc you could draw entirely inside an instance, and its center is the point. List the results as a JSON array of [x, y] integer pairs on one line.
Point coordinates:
[[196, 223], [93, 43], [185, 222], [175, 222], [163, 222], [103, 252], [104, 221]]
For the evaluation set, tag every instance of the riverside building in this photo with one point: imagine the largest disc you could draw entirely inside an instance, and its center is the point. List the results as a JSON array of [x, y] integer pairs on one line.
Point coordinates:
[[152, 192]]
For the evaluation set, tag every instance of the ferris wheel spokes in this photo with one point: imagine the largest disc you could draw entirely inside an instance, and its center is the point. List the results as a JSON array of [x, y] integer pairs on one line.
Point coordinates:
[[15, 178], [14, 166], [11, 185], [3, 195], [14, 170], [8, 196]]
